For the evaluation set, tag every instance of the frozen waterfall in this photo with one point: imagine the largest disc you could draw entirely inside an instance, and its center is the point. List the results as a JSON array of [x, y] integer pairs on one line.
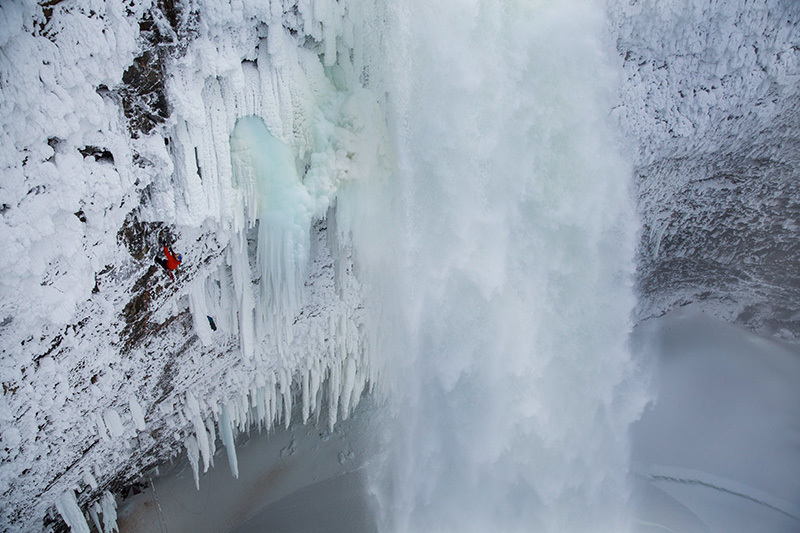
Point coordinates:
[[265, 167]]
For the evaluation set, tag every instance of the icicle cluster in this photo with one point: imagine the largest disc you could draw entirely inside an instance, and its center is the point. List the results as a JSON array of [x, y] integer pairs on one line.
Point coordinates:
[[67, 506], [268, 132], [272, 294], [331, 382]]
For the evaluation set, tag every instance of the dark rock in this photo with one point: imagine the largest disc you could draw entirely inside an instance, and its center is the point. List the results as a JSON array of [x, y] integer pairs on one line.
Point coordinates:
[[99, 154]]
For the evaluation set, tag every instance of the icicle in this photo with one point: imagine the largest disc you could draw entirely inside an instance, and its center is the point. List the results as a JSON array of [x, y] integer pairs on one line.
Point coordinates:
[[193, 454], [136, 413], [314, 383], [304, 387], [358, 390], [242, 420], [278, 407], [241, 416], [348, 386], [93, 510], [67, 506], [268, 412], [199, 429], [261, 407], [272, 410], [212, 440], [286, 390], [108, 506], [226, 433], [240, 270], [89, 479], [334, 390]]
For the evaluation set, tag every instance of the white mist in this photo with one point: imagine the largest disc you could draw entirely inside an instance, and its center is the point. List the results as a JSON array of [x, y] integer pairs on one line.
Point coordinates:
[[507, 307]]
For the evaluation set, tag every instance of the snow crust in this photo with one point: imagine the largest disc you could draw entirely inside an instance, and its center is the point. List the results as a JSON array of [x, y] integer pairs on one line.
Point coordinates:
[[721, 439]]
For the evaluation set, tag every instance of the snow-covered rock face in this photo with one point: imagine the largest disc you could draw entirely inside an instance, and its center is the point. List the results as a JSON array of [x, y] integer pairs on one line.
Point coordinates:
[[712, 104], [120, 132]]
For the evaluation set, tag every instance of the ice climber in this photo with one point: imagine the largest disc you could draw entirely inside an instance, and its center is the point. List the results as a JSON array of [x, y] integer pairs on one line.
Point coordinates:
[[171, 262]]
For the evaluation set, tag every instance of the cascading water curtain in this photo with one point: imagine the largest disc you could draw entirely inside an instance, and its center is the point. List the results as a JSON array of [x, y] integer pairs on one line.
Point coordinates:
[[506, 359]]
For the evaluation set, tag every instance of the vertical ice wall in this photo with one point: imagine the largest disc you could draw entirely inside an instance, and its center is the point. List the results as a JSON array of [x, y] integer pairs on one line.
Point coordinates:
[[265, 168], [108, 366], [511, 286], [267, 133]]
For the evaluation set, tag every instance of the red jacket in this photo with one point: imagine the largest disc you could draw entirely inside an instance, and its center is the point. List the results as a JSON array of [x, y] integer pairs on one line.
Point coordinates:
[[172, 262]]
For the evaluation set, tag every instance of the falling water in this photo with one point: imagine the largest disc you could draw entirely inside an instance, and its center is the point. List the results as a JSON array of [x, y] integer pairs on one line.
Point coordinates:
[[510, 295]]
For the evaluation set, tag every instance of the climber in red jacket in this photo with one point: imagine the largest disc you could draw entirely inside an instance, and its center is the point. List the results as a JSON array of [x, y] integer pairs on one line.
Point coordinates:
[[171, 262]]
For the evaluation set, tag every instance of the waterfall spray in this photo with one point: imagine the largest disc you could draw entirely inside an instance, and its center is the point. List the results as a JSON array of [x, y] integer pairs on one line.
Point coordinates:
[[510, 291]]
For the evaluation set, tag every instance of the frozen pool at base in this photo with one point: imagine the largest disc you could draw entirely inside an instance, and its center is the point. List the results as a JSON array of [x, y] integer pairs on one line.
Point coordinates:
[[276, 469], [719, 451]]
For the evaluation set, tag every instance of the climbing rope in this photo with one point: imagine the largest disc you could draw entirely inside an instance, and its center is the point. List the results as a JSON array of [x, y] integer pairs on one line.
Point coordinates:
[[161, 522]]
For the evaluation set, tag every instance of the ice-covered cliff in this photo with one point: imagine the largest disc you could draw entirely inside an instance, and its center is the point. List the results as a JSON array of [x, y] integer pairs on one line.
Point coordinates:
[[244, 133], [130, 124], [711, 105]]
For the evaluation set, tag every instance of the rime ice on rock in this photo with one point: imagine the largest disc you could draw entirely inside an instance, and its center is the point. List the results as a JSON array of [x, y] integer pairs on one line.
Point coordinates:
[[263, 150], [115, 353]]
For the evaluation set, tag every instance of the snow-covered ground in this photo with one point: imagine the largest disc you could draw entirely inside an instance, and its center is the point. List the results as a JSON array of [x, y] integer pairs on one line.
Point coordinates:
[[719, 451], [305, 460]]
